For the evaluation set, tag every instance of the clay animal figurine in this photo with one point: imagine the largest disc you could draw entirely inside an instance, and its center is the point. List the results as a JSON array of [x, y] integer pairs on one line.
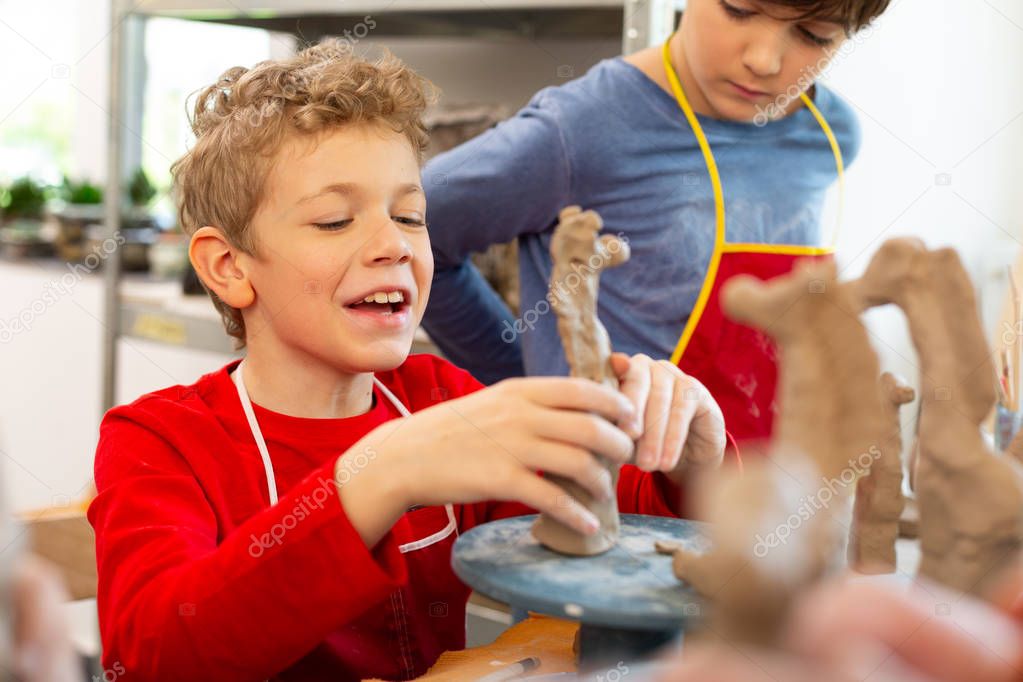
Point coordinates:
[[970, 501], [781, 525], [879, 499], [579, 255]]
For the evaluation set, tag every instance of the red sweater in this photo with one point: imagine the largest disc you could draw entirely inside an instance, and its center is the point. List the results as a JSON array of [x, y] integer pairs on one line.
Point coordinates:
[[200, 579]]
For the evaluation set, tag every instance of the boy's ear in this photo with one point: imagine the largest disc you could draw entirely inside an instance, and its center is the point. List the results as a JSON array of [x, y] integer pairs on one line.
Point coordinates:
[[216, 263]]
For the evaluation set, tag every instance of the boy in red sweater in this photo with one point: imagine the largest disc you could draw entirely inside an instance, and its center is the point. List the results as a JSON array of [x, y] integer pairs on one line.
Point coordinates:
[[292, 517]]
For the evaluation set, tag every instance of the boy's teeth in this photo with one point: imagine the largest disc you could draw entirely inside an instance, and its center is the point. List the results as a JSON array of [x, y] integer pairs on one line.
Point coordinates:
[[385, 297]]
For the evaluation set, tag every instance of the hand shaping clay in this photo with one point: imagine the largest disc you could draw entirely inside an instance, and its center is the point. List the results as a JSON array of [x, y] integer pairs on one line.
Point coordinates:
[[879, 500], [579, 255], [970, 500], [779, 526]]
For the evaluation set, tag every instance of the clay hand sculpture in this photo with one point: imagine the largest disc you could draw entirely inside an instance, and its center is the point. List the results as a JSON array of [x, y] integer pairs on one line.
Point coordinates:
[[781, 525], [970, 499], [579, 255], [879, 500]]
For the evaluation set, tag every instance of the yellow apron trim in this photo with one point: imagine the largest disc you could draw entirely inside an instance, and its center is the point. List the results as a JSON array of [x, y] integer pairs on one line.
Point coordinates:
[[719, 206], [781, 249], [839, 162], [720, 246]]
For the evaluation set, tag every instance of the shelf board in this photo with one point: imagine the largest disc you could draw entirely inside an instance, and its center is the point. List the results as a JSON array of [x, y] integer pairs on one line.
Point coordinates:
[[222, 8], [558, 19], [155, 322]]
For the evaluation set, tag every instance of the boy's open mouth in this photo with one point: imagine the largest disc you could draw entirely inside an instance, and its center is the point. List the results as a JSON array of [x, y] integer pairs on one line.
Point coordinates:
[[383, 302]]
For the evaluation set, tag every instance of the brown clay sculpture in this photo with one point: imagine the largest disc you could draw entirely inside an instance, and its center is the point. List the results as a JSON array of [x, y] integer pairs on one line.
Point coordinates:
[[781, 525], [970, 500], [879, 500], [579, 255]]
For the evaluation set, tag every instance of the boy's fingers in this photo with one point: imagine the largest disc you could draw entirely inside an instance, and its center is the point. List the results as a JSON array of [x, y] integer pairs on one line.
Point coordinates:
[[620, 363], [934, 631], [1008, 595], [576, 464], [635, 385], [548, 498], [684, 404], [583, 395], [655, 421], [586, 431]]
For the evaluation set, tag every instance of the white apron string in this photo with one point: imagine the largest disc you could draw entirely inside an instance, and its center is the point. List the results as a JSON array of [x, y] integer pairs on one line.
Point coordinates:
[[271, 481]]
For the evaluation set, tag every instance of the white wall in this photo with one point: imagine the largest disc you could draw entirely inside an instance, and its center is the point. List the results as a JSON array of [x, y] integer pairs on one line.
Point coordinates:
[[90, 76], [937, 89], [50, 403]]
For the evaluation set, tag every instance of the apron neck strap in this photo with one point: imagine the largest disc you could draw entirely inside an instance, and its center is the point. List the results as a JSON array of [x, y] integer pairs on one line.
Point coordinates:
[[708, 155], [257, 433]]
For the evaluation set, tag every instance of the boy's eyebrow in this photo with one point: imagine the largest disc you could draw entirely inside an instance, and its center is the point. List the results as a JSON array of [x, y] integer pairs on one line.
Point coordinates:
[[409, 188], [348, 188], [342, 188]]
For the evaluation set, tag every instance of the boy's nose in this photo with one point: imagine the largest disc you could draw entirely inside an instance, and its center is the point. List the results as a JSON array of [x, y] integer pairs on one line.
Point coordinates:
[[763, 55], [388, 246]]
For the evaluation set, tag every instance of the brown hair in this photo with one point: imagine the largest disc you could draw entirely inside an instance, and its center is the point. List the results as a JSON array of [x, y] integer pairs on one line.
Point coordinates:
[[851, 14], [241, 121]]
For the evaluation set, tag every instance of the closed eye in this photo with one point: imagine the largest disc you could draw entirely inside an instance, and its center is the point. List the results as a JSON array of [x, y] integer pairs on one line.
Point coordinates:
[[409, 221], [336, 225], [815, 39]]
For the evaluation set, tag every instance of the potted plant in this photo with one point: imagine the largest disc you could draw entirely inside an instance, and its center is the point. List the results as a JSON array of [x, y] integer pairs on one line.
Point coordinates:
[[81, 206], [21, 213], [138, 228], [140, 190]]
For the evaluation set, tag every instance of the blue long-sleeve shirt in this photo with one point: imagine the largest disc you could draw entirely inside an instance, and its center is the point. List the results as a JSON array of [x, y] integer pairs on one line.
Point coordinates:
[[615, 142]]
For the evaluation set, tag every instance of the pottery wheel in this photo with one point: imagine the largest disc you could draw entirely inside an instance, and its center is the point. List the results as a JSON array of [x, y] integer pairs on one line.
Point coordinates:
[[627, 595]]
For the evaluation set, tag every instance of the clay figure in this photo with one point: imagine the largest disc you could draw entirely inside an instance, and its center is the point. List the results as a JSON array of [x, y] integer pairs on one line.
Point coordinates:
[[579, 255]]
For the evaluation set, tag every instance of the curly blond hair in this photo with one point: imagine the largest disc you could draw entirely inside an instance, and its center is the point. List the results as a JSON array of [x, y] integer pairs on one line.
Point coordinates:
[[241, 121]]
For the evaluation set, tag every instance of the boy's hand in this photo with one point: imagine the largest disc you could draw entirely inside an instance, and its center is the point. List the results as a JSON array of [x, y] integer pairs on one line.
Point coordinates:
[[489, 446], [847, 630], [677, 424]]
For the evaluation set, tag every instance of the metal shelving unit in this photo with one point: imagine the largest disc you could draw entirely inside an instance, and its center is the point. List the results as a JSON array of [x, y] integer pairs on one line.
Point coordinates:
[[169, 320]]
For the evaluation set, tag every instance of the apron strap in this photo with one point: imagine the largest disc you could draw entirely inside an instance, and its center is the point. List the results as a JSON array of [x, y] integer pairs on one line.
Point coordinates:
[[271, 481], [257, 434]]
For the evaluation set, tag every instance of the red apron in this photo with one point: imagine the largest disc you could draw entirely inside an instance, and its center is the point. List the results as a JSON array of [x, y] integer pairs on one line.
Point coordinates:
[[737, 364]]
